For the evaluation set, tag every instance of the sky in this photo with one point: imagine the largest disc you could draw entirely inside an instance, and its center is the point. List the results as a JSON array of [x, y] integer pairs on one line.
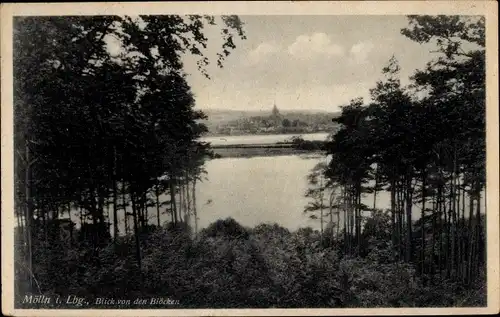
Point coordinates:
[[304, 62]]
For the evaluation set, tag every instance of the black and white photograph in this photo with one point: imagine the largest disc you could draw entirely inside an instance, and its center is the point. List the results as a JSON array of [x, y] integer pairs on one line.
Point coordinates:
[[198, 163]]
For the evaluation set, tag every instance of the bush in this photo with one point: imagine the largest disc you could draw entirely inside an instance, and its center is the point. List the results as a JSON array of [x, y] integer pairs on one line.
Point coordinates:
[[229, 266]]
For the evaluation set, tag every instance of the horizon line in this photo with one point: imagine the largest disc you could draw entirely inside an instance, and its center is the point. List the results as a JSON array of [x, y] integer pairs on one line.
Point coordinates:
[[262, 110]]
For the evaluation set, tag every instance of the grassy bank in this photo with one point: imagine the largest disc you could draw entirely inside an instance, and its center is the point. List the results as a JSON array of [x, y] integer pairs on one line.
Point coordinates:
[[294, 147], [254, 152]]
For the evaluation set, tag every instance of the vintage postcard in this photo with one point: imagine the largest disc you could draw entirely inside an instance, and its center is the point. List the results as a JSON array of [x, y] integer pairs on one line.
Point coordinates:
[[250, 158]]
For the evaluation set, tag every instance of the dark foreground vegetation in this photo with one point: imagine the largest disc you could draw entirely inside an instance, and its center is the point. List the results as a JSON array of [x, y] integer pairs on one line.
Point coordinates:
[[229, 266], [114, 136]]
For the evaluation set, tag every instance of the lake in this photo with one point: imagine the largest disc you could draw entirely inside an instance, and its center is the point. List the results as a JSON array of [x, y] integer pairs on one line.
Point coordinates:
[[257, 190], [267, 190], [260, 189]]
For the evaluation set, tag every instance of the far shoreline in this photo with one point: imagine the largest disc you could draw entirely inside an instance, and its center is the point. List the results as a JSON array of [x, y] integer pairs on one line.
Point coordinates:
[[259, 152], [278, 149], [214, 135]]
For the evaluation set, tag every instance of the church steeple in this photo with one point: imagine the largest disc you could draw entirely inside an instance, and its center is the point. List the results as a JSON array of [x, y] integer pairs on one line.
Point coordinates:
[[276, 112]]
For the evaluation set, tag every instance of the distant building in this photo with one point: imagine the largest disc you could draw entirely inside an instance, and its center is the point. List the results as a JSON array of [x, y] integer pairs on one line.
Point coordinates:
[[276, 116], [275, 112]]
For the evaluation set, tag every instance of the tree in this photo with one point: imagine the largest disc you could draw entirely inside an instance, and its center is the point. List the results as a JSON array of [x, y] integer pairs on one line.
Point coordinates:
[[426, 149], [350, 168], [286, 123], [455, 83], [88, 121]]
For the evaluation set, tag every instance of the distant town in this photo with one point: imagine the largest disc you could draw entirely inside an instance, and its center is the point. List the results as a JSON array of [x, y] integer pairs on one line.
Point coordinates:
[[274, 122]]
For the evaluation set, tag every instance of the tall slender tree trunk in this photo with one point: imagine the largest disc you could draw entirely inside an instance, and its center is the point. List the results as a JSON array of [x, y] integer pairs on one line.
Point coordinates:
[[393, 212], [81, 216], [100, 215], [450, 228], [458, 228], [409, 233], [115, 197], [195, 208], [71, 225], [433, 237], [182, 210], [172, 216], [145, 208], [188, 199], [422, 217], [173, 200], [478, 234], [338, 220], [29, 215], [471, 236], [464, 237], [375, 189], [360, 218], [125, 213], [321, 209], [400, 221], [351, 220], [45, 224], [453, 222], [346, 220], [19, 223], [157, 196], [136, 232], [330, 208], [440, 228]]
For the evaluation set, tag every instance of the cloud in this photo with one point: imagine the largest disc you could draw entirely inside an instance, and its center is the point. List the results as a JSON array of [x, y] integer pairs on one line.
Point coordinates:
[[307, 63], [261, 52], [308, 46], [361, 51]]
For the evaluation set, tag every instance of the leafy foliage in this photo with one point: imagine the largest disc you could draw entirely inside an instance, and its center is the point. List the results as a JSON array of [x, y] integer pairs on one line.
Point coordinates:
[[271, 267], [95, 125], [426, 149]]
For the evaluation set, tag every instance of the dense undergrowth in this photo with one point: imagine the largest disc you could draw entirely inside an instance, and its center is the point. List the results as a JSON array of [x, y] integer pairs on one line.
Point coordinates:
[[229, 266]]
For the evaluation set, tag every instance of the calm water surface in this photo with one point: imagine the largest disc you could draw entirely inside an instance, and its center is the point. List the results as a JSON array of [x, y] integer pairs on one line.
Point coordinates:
[[259, 190], [255, 190], [265, 190]]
